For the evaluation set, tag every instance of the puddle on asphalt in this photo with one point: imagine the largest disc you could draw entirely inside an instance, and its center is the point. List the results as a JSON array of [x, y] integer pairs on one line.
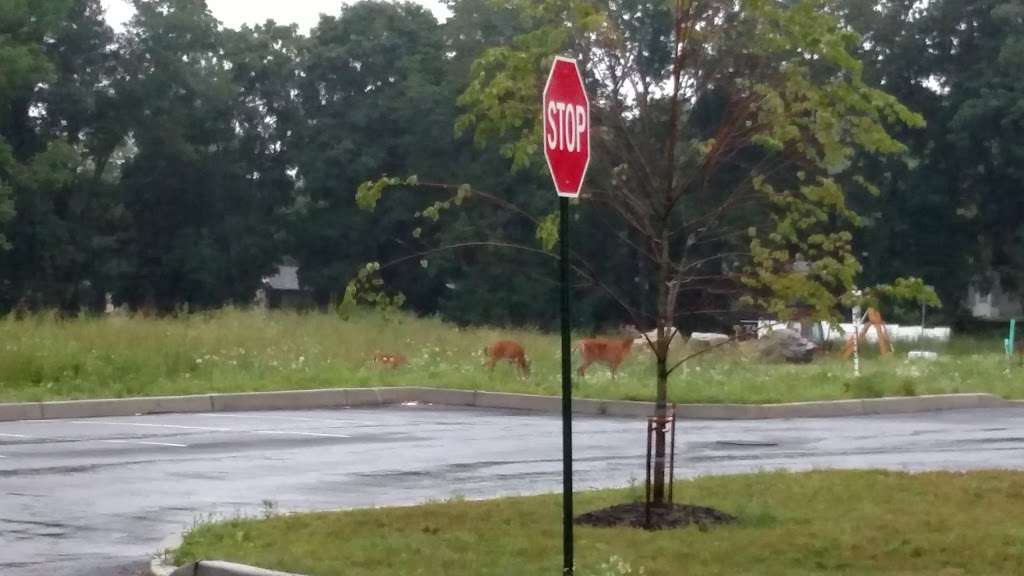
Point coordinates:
[[746, 443]]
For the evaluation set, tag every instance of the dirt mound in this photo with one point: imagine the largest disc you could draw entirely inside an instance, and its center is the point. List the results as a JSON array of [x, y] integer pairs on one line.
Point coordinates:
[[662, 517]]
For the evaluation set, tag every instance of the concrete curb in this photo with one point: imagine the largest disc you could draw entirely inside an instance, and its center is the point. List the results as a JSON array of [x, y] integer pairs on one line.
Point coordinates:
[[10, 412], [631, 409], [215, 568], [124, 407], [158, 566], [350, 397]]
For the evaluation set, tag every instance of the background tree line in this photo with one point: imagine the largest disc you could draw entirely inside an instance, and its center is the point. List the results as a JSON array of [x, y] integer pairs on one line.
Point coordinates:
[[179, 161]]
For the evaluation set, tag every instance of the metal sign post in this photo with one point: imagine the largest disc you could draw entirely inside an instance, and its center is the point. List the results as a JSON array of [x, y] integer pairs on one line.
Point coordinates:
[[856, 333], [567, 539], [565, 113]]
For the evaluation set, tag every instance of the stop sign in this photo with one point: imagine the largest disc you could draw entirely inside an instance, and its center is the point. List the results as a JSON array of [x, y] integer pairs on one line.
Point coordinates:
[[566, 127]]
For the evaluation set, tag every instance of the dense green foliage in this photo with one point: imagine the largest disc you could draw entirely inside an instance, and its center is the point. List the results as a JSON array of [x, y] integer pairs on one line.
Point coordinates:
[[952, 208], [176, 163], [862, 523]]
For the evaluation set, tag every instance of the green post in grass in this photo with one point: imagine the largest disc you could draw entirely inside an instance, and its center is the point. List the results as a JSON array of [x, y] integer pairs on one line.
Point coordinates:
[[1010, 338]]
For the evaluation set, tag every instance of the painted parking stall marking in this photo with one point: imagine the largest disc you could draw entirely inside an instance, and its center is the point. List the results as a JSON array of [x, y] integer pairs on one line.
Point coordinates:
[[298, 433], [212, 428], [145, 443], [287, 418], [147, 425]]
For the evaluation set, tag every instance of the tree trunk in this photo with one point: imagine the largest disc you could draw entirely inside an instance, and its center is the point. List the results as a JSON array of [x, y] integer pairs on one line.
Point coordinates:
[[660, 412], [667, 291], [665, 326]]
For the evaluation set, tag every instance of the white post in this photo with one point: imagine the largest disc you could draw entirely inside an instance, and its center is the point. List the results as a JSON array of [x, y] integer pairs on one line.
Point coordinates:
[[856, 334]]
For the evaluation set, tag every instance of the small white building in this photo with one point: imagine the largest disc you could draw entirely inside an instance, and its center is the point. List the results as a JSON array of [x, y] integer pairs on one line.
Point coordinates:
[[987, 300], [283, 290]]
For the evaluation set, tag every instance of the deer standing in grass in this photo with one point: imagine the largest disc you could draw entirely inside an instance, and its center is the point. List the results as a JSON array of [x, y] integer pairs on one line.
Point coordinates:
[[392, 361], [606, 351], [509, 350]]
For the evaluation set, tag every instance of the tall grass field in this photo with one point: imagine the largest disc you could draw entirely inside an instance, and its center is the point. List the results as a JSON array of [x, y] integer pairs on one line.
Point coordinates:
[[44, 357]]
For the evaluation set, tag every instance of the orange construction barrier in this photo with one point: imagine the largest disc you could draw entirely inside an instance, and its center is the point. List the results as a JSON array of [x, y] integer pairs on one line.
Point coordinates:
[[875, 320]]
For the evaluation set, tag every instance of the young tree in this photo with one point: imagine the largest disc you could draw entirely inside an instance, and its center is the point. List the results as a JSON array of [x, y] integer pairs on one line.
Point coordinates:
[[726, 136]]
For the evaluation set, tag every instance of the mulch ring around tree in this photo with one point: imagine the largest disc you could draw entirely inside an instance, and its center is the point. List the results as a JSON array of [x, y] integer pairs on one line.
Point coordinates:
[[662, 517]]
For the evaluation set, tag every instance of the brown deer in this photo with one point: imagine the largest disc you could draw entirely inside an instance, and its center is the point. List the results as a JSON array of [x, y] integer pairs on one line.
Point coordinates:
[[392, 361], [606, 351], [509, 350]]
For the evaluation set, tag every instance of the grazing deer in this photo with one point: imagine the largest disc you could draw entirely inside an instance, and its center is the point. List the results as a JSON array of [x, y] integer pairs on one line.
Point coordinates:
[[388, 360], [509, 350], [606, 351]]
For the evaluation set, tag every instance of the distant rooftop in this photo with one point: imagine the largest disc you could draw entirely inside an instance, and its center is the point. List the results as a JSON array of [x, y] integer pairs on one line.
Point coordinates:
[[287, 278]]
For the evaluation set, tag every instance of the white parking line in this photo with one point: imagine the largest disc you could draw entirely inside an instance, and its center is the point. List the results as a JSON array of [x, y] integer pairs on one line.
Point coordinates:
[[145, 443], [291, 432], [14, 436], [291, 418], [141, 424], [211, 429]]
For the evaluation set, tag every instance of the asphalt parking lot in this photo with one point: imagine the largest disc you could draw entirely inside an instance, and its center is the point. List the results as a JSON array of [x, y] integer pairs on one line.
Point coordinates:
[[96, 496]]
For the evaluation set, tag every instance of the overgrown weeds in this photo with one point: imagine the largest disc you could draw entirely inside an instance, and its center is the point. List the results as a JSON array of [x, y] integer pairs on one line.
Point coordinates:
[[44, 357]]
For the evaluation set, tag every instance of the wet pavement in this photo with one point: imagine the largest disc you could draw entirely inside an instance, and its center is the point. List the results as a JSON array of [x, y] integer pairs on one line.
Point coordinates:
[[96, 496]]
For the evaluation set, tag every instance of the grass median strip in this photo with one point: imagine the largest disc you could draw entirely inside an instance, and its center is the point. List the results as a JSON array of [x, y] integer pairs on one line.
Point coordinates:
[[814, 523]]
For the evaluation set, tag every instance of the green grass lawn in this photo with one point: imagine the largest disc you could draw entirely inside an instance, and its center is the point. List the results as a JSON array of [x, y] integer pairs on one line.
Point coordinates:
[[838, 522], [44, 358]]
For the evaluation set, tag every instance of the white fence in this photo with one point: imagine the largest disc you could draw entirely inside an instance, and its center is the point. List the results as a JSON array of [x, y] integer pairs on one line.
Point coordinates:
[[841, 332]]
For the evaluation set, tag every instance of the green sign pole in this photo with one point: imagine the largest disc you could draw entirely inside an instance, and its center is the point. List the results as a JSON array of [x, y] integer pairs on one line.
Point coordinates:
[[1010, 339], [563, 235], [566, 118]]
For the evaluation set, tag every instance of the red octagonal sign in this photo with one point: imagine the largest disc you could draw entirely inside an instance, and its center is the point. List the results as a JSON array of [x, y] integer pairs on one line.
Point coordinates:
[[566, 127]]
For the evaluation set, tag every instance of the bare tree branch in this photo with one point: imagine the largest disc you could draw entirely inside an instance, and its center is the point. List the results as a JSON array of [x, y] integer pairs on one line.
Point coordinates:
[[582, 268], [493, 198]]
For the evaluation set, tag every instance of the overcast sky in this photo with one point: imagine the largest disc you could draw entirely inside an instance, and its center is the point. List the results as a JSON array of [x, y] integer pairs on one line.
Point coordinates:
[[234, 13]]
